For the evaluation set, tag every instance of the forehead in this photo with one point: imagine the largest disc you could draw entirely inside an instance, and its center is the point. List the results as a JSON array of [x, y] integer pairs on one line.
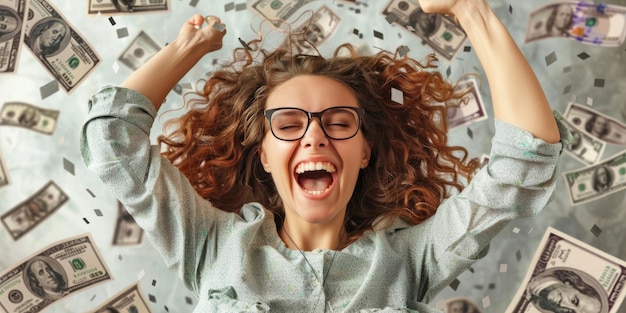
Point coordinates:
[[312, 93]]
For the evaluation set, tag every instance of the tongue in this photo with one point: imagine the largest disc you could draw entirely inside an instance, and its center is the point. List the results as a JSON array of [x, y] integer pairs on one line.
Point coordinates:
[[315, 181]]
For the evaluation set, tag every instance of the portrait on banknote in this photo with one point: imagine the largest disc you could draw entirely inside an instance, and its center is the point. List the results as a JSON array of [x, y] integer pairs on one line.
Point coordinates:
[[127, 232], [560, 289], [460, 305], [311, 35], [49, 36], [424, 24], [10, 23], [45, 277], [123, 5], [602, 178], [598, 126]]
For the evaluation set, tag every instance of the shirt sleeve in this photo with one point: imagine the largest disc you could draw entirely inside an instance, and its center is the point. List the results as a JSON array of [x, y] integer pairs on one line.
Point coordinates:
[[115, 145], [518, 181]]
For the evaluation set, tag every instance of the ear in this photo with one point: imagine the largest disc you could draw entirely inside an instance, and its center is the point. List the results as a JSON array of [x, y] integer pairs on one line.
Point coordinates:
[[263, 157], [367, 153]]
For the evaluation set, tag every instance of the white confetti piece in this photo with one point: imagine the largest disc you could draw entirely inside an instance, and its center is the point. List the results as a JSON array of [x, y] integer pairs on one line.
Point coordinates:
[[397, 96], [486, 302], [516, 230], [116, 67], [503, 268], [140, 275], [589, 101]]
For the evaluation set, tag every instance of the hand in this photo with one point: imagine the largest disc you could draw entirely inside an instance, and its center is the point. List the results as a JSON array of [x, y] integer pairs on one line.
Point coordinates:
[[444, 6], [205, 39]]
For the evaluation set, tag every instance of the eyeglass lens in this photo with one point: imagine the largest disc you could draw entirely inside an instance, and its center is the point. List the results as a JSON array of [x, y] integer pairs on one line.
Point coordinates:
[[337, 123]]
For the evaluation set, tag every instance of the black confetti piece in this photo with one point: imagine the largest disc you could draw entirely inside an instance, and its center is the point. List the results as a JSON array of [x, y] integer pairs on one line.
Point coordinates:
[[550, 58], [94, 296], [240, 6], [378, 34], [403, 50], [153, 283], [119, 257], [595, 230], [186, 85], [510, 9], [112, 21], [193, 3], [229, 6], [188, 300], [49, 89], [355, 31], [598, 82], [471, 269], [244, 44], [390, 18], [479, 287], [455, 284], [91, 193], [178, 89], [357, 11], [448, 72], [492, 286], [85, 219], [68, 166], [567, 89], [583, 55], [567, 69], [98, 212], [361, 36], [151, 298], [166, 309], [122, 32], [518, 255], [470, 133], [467, 48]]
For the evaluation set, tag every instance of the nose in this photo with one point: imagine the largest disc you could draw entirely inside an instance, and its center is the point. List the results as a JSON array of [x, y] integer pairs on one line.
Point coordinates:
[[314, 136]]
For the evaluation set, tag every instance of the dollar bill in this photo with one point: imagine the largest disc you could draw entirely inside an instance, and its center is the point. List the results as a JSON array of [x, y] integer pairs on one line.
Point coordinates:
[[129, 299], [322, 26], [25, 216], [57, 271], [277, 11], [470, 111], [584, 148], [568, 275], [113, 7], [460, 305], [596, 24], [596, 124], [4, 173], [598, 180], [12, 14], [58, 45], [438, 31], [29, 116], [139, 51], [127, 232]]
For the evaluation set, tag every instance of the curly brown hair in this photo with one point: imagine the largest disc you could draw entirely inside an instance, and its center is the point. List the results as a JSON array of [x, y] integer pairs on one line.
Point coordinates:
[[215, 144]]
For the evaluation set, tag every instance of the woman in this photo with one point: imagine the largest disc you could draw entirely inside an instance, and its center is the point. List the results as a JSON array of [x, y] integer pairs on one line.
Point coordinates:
[[297, 183]]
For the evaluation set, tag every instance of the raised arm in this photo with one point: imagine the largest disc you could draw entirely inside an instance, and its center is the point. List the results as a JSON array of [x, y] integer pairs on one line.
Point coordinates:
[[158, 76], [517, 96]]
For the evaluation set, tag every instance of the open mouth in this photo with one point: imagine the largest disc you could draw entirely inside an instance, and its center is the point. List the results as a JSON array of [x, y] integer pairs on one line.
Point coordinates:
[[315, 177]]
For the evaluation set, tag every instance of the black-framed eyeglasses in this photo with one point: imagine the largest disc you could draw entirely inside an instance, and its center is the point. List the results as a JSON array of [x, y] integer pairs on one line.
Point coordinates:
[[339, 123]]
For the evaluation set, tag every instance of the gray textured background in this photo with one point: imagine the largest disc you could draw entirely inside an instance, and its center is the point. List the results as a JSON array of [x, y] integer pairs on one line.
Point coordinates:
[[33, 159]]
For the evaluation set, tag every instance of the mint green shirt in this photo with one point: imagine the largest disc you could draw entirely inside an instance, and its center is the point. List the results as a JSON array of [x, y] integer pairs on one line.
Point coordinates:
[[238, 263]]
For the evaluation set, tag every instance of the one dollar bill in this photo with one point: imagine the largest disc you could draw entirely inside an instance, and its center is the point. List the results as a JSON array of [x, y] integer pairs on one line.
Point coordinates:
[[4, 172], [322, 26], [31, 212], [277, 11], [112, 7], [438, 31], [12, 13], [57, 271], [596, 124], [139, 51], [568, 275], [595, 24], [129, 299], [28, 116], [584, 147], [58, 46], [597, 181], [127, 231]]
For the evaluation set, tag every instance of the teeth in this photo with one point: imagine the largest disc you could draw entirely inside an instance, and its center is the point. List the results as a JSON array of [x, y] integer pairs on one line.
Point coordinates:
[[315, 166], [316, 192]]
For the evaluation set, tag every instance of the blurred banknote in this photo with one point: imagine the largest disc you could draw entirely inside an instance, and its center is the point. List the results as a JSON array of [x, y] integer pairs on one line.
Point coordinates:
[[55, 272], [438, 31], [12, 14], [4, 172], [128, 300], [596, 124], [585, 148], [598, 180], [568, 275], [58, 46], [468, 112], [321, 27], [596, 24], [25, 216], [111, 7], [28, 116], [140, 50], [277, 11], [461, 305], [127, 232]]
